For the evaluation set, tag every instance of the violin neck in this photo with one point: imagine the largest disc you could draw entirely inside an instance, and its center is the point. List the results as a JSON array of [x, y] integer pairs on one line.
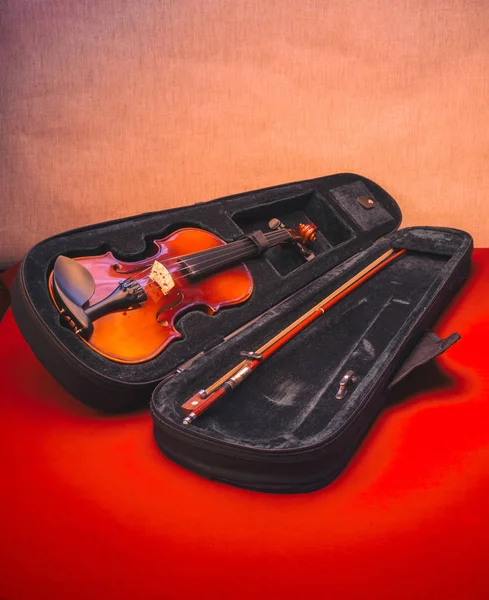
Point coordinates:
[[208, 261]]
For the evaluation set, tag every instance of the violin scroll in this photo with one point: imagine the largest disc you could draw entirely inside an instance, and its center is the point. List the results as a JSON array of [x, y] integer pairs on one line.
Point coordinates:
[[308, 233], [305, 234]]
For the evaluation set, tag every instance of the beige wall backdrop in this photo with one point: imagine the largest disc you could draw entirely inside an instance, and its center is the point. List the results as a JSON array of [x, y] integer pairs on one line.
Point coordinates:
[[114, 107]]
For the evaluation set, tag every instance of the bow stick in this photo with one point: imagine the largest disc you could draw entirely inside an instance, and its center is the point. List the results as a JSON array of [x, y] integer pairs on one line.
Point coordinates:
[[201, 401]]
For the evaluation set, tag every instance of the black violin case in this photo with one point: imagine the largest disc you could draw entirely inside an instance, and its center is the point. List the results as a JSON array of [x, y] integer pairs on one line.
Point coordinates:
[[283, 429]]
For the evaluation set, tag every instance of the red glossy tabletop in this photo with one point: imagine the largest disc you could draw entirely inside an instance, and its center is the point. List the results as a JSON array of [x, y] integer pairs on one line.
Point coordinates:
[[91, 509]]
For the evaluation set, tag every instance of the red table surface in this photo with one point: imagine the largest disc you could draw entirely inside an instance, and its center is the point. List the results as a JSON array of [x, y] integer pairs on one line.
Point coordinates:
[[91, 509]]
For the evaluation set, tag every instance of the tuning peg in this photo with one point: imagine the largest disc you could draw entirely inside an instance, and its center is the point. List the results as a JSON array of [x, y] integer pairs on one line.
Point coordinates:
[[276, 224]]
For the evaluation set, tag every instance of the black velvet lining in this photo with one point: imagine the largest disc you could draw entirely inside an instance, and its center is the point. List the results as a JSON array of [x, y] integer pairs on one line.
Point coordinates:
[[422, 240], [277, 274], [289, 402]]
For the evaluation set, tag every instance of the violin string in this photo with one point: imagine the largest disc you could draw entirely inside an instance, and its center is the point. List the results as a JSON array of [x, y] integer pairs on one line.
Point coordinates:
[[273, 237], [209, 262]]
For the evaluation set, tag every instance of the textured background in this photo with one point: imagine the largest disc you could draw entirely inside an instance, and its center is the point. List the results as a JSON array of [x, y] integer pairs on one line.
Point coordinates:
[[113, 107]]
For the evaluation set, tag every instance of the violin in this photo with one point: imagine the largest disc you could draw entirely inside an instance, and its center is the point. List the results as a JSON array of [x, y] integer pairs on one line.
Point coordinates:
[[126, 311]]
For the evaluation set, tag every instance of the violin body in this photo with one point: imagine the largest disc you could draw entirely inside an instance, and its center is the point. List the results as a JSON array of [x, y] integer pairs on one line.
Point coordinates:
[[140, 332]]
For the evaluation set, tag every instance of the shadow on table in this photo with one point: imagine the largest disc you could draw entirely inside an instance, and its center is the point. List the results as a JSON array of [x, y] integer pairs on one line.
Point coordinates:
[[424, 379]]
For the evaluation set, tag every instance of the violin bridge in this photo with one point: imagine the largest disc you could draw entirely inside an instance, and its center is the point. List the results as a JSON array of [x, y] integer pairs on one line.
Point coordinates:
[[161, 276]]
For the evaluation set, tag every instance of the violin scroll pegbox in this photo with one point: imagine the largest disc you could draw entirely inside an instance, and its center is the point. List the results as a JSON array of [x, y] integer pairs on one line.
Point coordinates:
[[305, 234], [308, 233]]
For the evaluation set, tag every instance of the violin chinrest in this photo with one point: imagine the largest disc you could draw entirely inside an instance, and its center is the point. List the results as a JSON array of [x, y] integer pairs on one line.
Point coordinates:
[[73, 286], [73, 280]]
